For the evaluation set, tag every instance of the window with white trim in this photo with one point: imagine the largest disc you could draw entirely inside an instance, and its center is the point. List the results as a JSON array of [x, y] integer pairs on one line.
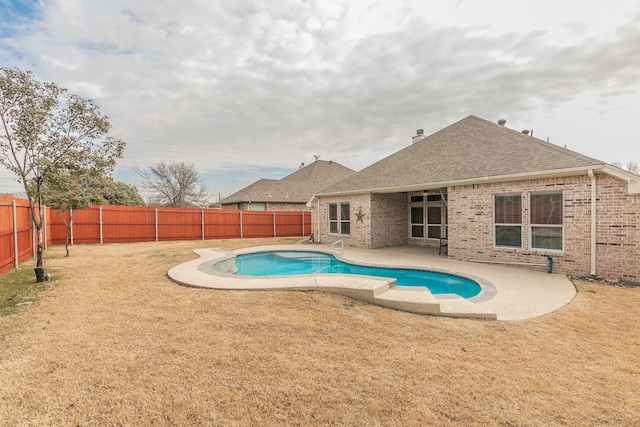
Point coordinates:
[[339, 219], [507, 220], [434, 216], [546, 221], [427, 216], [417, 217]]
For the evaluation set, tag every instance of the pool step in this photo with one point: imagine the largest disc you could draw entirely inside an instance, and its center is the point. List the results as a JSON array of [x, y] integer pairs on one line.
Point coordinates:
[[460, 307], [360, 287], [421, 300], [415, 300]]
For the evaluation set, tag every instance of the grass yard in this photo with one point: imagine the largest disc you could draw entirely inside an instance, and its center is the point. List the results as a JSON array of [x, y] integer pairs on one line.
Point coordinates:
[[112, 341]]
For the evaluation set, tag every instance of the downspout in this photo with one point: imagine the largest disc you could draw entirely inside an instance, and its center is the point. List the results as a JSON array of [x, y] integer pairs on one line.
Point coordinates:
[[315, 232], [319, 238], [593, 221]]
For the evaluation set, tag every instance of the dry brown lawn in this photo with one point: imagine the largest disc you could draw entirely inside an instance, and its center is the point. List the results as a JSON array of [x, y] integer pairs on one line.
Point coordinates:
[[115, 342]]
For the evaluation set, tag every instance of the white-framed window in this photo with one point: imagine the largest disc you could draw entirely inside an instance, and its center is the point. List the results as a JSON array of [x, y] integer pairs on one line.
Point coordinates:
[[434, 216], [339, 219], [427, 216], [417, 217], [507, 220], [546, 221]]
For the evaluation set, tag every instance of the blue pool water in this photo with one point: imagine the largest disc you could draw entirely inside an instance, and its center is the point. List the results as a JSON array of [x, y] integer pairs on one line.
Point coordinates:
[[283, 263]]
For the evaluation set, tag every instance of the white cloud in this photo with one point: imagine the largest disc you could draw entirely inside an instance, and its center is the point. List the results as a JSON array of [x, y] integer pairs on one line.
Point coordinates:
[[252, 83]]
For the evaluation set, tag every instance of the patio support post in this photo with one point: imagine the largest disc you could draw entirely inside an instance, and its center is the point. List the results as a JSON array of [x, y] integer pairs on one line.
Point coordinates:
[[15, 233]]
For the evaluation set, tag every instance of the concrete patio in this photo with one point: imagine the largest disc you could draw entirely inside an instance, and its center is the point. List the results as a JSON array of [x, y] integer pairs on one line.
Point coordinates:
[[507, 293]]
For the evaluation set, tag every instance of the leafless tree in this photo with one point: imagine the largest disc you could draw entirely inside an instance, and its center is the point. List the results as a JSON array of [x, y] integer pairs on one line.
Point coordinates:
[[630, 166], [174, 184]]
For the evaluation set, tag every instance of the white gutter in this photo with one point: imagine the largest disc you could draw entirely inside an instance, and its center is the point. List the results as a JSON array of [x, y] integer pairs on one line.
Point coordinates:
[[593, 221], [633, 180]]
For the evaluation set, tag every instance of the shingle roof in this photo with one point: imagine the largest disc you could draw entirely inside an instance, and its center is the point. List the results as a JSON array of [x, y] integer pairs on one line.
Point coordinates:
[[297, 187], [472, 148]]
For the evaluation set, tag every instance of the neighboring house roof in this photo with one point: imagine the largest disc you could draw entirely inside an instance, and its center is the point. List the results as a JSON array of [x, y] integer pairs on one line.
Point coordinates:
[[297, 187], [472, 150]]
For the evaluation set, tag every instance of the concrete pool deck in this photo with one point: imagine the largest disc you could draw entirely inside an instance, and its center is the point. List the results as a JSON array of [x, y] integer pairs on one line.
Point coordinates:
[[507, 293]]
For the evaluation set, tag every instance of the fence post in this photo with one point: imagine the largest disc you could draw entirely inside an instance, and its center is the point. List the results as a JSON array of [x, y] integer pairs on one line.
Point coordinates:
[[15, 233], [44, 227], [156, 224], [274, 224], [241, 224], [303, 224], [71, 224], [202, 224], [100, 220]]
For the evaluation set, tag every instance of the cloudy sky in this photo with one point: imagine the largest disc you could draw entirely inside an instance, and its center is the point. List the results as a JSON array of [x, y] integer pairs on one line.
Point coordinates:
[[250, 89]]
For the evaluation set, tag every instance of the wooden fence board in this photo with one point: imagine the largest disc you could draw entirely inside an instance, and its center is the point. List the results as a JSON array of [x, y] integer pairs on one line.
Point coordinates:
[[142, 224], [120, 224], [24, 232]]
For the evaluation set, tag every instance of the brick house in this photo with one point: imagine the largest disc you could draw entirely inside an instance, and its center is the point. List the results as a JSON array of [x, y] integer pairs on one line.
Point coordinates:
[[290, 193], [493, 195]]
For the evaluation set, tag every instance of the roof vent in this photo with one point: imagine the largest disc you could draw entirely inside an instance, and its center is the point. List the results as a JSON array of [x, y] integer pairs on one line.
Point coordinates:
[[419, 136], [301, 165], [502, 122], [526, 131]]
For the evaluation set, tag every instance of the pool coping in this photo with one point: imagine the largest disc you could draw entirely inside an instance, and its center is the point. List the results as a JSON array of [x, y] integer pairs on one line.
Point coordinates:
[[496, 300]]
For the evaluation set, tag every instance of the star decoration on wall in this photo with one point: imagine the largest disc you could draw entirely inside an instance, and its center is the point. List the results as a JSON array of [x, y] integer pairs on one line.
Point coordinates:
[[360, 215]]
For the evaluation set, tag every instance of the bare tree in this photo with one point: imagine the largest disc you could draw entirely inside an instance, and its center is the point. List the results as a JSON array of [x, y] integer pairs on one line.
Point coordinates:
[[630, 166], [45, 129], [174, 184]]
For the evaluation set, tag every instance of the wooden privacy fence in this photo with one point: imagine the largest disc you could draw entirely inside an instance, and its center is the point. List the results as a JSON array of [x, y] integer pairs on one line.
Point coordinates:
[[17, 235], [118, 224]]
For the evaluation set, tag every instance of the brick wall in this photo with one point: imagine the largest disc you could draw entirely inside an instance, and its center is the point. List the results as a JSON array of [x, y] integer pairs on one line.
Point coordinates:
[[618, 235], [390, 224], [471, 226], [360, 230], [273, 206], [287, 207], [470, 212]]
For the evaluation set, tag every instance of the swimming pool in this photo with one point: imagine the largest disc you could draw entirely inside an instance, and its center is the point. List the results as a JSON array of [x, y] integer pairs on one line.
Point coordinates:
[[285, 263]]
